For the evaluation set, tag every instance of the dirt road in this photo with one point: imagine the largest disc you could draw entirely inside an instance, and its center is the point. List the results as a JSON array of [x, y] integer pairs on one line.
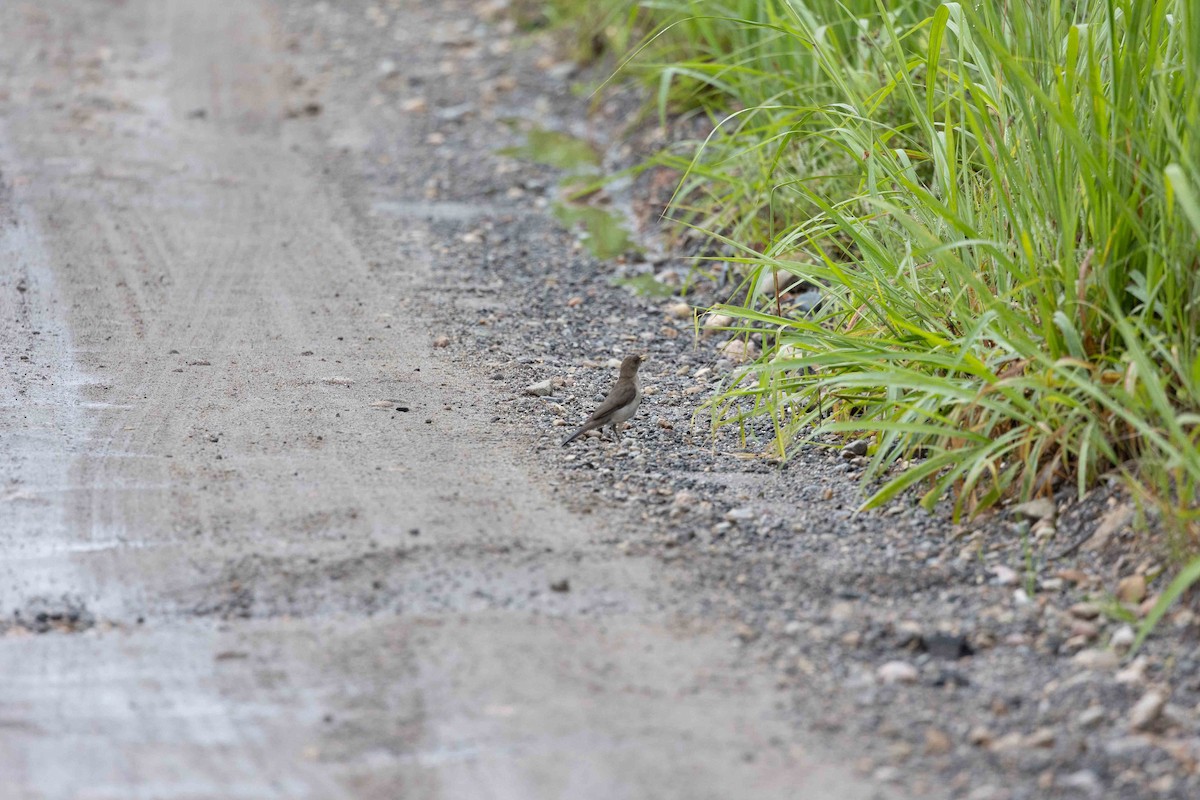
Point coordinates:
[[258, 540]]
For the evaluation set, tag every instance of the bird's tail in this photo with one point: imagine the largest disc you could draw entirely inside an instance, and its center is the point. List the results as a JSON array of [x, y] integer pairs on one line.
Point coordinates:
[[580, 432]]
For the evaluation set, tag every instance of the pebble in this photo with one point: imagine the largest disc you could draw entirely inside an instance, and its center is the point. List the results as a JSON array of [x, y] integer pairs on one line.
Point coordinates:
[[1084, 781], [746, 633], [1043, 529], [738, 350], [1041, 508], [540, 389], [1185, 751], [1134, 673], [739, 514], [937, 743], [979, 736], [1147, 710], [886, 774], [1163, 785], [855, 449], [683, 501], [1126, 746], [1004, 576], [842, 611], [714, 322], [1042, 737], [1113, 521], [897, 672], [1178, 717], [668, 277], [1122, 638], [1132, 589], [680, 311], [947, 646], [1099, 660], [1074, 644], [1084, 610], [1009, 741], [1072, 575], [1091, 716], [441, 341]]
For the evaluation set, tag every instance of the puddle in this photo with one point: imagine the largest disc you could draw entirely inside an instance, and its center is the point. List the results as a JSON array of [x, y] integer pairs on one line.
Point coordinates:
[[556, 149], [604, 232]]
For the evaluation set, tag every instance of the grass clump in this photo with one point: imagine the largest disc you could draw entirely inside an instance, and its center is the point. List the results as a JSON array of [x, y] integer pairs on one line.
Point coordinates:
[[1000, 205]]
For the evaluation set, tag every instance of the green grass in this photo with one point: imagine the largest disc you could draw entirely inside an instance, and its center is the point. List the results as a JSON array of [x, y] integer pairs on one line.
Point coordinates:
[[1001, 204], [1000, 201]]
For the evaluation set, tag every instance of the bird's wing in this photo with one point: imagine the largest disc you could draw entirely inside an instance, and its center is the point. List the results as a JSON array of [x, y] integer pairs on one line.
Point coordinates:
[[621, 395]]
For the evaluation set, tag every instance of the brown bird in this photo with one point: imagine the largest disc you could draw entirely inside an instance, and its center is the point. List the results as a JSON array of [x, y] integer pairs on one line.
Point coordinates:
[[620, 404]]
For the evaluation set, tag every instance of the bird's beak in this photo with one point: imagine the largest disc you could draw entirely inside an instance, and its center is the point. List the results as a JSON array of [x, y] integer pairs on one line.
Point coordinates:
[[644, 357]]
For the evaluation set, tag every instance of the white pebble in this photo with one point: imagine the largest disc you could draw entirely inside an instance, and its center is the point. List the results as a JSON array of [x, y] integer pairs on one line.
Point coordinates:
[[540, 389], [1147, 710], [1122, 638], [897, 672]]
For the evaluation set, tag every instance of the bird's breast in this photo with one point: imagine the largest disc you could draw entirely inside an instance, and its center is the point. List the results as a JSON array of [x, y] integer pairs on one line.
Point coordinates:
[[624, 413]]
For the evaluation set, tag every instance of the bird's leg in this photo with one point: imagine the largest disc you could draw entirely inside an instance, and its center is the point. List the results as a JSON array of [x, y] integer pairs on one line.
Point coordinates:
[[617, 432]]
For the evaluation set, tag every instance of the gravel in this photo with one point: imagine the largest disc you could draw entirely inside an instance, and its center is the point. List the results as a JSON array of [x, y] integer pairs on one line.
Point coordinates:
[[946, 655]]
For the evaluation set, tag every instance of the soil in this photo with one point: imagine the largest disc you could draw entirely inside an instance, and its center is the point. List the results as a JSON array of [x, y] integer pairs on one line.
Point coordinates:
[[281, 518]]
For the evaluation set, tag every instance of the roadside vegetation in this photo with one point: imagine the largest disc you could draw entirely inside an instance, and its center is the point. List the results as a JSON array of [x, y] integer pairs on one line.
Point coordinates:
[[999, 205]]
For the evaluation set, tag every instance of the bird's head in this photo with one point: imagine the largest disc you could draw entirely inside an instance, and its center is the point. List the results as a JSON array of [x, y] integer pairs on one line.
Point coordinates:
[[629, 366]]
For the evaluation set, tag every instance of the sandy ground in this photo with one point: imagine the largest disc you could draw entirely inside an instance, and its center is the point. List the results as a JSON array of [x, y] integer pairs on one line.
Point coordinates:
[[259, 540]]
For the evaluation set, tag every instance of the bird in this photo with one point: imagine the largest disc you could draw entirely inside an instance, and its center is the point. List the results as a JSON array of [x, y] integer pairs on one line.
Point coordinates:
[[620, 404]]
